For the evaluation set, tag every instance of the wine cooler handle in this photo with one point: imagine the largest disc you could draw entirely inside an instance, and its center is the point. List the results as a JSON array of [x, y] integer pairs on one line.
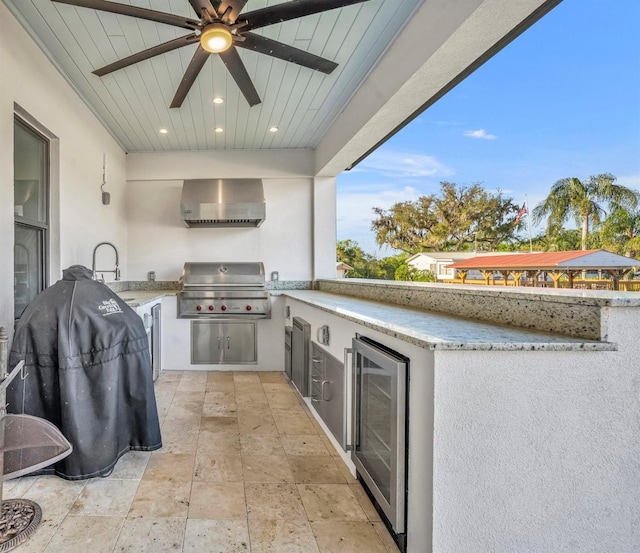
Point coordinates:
[[348, 419]]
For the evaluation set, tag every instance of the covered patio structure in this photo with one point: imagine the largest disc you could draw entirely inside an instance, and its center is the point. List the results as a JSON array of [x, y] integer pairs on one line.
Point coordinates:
[[534, 268]]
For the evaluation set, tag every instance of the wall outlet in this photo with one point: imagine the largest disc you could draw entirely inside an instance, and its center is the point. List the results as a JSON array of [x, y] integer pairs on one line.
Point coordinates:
[[152, 276]]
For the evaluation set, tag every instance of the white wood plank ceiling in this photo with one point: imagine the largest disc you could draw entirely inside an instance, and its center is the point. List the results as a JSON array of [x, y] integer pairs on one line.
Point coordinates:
[[134, 102]]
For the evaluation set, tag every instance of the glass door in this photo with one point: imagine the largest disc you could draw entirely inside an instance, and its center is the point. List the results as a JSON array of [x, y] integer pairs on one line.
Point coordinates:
[[379, 425]]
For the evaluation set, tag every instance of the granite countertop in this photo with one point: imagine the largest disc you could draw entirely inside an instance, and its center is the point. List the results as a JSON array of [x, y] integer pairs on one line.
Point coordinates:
[[439, 331], [136, 298]]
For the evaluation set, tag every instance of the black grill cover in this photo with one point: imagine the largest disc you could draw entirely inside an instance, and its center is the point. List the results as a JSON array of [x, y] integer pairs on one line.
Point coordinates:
[[89, 372]]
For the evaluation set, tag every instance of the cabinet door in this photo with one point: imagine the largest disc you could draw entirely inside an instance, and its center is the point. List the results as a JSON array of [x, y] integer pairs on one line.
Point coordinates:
[[239, 343], [206, 342], [333, 397]]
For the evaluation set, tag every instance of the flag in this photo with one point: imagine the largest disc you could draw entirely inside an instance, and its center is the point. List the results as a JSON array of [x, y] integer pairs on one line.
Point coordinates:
[[523, 211]]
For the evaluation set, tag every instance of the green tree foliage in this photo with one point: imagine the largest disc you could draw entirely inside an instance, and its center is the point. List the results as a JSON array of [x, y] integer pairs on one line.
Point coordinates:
[[364, 265], [461, 217], [620, 232], [406, 272], [585, 202]]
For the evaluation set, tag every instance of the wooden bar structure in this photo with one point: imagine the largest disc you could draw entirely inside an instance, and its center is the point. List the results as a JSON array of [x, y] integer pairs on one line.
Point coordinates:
[[559, 267]]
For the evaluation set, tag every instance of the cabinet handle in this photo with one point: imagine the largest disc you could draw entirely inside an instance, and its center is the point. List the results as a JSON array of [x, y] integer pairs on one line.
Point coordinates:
[[316, 381], [316, 360], [315, 399], [219, 342], [322, 390], [228, 342]]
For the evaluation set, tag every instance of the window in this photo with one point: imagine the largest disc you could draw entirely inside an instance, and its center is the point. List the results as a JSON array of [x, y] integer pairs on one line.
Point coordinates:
[[31, 213]]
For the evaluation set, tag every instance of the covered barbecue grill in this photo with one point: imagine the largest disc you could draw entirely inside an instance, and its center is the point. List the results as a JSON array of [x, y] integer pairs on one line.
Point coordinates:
[[86, 354], [218, 290]]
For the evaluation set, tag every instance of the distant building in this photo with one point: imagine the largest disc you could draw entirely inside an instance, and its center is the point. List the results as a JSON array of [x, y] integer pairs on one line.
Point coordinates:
[[437, 263], [342, 269]]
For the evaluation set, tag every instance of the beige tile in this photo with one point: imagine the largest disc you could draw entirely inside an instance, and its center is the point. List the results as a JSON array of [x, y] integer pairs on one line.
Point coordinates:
[[161, 499], [221, 443], [187, 414], [170, 467], [151, 535], [365, 502], [55, 495], [105, 498], [188, 397], [221, 386], [192, 382], [315, 469], [291, 411], [274, 502], [38, 541], [130, 466], [246, 377], [261, 444], [216, 409], [303, 444], [327, 443], [80, 534], [178, 439], [251, 398], [266, 468], [385, 537], [277, 387], [217, 500], [256, 423], [219, 424], [347, 537], [330, 502], [18, 486], [219, 397], [294, 425], [281, 536], [273, 376], [344, 469], [216, 536], [282, 399], [214, 467], [219, 376]]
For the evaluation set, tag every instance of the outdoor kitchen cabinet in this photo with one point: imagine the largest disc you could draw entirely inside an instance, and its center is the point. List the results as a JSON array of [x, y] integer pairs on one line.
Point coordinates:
[[228, 342], [327, 390]]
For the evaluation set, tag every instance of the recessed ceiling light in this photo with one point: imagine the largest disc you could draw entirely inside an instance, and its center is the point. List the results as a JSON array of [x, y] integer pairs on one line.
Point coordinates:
[[218, 129], [218, 100], [163, 131], [273, 129]]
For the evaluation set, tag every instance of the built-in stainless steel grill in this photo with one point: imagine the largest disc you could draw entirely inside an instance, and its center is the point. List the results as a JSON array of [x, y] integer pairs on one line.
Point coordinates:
[[214, 290]]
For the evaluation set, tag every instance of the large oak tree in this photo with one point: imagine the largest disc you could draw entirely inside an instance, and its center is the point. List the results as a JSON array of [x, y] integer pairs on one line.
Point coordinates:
[[459, 218]]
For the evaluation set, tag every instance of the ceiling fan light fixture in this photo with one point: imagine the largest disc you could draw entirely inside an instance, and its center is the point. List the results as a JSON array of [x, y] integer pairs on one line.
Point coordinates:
[[216, 38]]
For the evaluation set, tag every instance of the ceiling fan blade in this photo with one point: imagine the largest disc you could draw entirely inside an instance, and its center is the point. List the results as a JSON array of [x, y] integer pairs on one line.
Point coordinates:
[[199, 5], [236, 7], [134, 11], [270, 47], [291, 10], [189, 77], [234, 64], [146, 54]]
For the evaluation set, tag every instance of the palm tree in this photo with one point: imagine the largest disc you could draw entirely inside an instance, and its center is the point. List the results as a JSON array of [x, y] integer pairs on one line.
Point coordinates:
[[571, 197]]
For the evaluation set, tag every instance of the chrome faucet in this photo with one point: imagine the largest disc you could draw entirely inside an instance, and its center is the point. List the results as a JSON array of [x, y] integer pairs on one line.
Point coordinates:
[[93, 264]]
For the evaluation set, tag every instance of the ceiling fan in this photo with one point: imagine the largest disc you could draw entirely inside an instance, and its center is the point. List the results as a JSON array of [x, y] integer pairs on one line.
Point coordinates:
[[220, 29]]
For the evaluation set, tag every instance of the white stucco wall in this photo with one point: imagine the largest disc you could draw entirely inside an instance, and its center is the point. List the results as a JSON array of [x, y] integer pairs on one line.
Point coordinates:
[[159, 241], [30, 81], [539, 451]]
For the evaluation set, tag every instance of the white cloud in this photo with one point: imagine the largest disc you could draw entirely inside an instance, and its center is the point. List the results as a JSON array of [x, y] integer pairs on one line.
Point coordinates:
[[405, 164], [480, 133]]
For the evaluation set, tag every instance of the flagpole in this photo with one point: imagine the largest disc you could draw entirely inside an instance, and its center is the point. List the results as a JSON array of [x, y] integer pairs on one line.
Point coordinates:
[[526, 201]]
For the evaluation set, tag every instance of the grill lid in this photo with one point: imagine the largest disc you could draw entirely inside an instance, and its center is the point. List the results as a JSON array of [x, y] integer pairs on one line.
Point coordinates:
[[217, 274]]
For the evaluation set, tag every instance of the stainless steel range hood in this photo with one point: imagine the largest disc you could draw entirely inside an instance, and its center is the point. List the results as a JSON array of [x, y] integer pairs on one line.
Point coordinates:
[[210, 203]]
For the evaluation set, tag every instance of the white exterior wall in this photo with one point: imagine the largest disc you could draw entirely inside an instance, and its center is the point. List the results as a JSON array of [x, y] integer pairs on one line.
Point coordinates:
[[539, 451], [79, 220]]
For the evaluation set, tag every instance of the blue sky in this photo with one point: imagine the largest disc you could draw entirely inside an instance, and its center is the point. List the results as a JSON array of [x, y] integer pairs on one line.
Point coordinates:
[[562, 100]]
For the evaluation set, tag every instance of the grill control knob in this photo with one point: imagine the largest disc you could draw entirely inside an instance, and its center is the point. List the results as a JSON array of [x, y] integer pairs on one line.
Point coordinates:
[[248, 308], [198, 308], [211, 308], [224, 308]]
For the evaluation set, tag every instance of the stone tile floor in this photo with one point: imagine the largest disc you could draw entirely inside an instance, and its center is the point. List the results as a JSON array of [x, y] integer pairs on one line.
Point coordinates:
[[244, 468]]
